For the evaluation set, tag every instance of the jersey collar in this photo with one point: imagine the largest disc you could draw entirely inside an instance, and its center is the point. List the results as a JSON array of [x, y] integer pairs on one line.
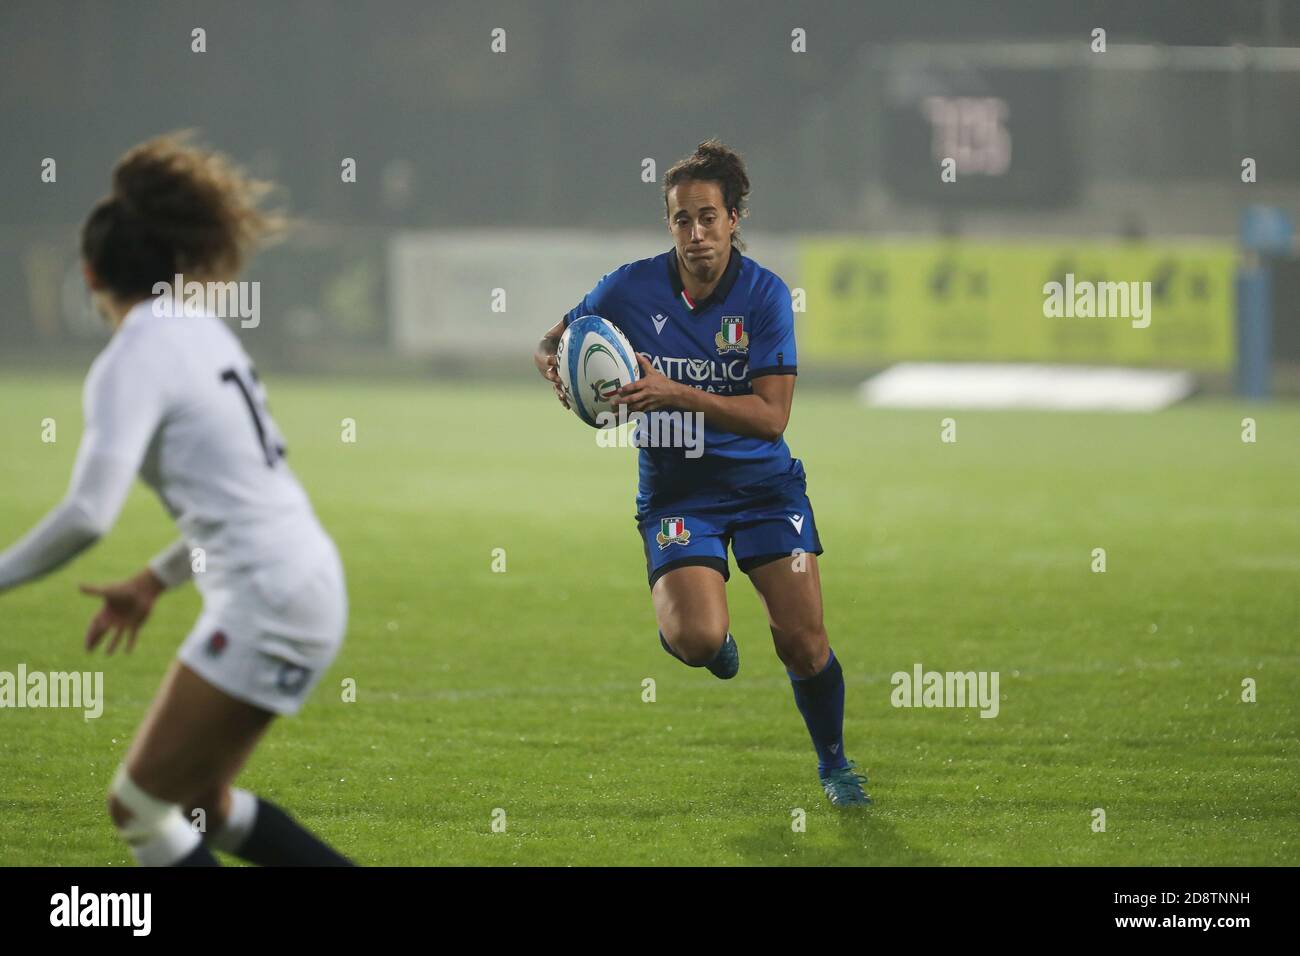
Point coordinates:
[[720, 291], [139, 312]]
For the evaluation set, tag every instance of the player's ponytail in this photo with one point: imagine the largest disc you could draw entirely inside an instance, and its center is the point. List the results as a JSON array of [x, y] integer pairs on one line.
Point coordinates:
[[713, 161], [174, 208]]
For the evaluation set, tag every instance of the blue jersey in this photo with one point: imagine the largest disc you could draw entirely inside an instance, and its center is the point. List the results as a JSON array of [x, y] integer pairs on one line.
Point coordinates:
[[743, 330]]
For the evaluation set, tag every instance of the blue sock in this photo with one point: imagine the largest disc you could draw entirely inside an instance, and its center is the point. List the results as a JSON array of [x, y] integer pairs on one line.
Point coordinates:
[[820, 699]]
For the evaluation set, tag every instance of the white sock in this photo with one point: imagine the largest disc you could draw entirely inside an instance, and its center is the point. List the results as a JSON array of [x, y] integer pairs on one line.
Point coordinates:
[[156, 832], [174, 840], [239, 824]]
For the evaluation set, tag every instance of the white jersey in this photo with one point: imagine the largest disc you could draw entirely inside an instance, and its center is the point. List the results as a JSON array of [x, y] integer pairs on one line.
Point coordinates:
[[177, 398], [174, 398]]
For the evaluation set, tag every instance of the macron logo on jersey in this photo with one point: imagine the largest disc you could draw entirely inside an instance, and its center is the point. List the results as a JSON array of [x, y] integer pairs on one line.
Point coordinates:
[[797, 521], [659, 321]]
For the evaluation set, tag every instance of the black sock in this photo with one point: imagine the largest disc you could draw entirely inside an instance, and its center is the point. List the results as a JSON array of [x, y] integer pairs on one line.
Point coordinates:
[[199, 856], [277, 839]]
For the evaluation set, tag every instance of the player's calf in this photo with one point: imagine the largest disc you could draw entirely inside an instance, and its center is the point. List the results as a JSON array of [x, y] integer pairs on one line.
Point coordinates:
[[723, 663], [693, 646]]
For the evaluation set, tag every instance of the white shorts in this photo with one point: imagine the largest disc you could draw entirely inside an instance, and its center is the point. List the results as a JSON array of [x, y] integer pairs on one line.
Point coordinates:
[[268, 637]]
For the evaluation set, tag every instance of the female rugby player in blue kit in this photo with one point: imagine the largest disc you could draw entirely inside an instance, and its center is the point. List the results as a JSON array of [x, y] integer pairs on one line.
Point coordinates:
[[714, 333]]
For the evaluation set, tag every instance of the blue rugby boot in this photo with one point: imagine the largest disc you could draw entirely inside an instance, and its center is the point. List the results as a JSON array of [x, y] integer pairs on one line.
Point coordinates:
[[844, 787], [727, 662]]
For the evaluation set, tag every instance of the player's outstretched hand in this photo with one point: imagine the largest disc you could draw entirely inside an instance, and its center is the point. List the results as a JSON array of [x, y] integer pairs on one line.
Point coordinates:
[[652, 392], [126, 607], [552, 375]]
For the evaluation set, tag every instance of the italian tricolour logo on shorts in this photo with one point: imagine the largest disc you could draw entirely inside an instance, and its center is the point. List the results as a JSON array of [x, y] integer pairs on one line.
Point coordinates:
[[733, 337], [672, 531]]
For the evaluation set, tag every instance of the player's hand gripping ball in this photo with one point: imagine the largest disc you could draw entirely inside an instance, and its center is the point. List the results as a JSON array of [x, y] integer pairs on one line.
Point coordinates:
[[594, 360]]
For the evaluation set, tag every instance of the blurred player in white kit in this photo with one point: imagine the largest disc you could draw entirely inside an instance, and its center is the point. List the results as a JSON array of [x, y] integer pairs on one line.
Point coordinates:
[[174, 398]]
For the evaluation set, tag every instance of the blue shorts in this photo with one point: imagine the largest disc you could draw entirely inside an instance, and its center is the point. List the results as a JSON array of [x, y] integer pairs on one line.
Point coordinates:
[[761, 523]]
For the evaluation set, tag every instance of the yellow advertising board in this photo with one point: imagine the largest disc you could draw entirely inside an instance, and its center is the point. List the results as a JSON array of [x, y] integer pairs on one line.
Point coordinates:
[[1131, 303]]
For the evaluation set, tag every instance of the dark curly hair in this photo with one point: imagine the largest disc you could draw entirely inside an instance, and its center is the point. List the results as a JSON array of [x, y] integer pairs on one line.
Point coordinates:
[[174, 208], [713, 161]]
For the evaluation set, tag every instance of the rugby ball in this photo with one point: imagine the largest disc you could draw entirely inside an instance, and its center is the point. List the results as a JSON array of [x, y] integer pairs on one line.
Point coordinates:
[[594, 360]]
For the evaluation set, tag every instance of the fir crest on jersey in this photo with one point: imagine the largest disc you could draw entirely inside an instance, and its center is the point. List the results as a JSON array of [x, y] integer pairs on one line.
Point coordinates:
[[733, 337]]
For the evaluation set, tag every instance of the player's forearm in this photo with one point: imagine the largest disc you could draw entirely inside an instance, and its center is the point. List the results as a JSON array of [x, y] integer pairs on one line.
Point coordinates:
[[100, 483], [63, 534], [171, 568], [750, 415]]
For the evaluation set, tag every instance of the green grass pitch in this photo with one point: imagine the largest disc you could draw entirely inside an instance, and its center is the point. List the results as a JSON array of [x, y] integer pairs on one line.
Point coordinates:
[[522, 690]]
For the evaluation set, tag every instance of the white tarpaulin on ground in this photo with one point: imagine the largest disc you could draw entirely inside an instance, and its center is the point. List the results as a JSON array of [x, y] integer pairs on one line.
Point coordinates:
[[1052, 387]]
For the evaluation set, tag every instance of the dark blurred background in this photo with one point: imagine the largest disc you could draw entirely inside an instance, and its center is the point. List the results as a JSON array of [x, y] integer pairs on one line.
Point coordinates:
[[1142, 142]]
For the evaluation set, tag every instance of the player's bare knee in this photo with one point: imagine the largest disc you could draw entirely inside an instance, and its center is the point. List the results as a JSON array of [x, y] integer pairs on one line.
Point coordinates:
[[803, 650], [697, 644]]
